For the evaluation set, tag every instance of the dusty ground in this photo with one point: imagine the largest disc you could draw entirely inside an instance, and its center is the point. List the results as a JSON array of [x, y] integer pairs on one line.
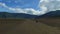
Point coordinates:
[[27, 26]]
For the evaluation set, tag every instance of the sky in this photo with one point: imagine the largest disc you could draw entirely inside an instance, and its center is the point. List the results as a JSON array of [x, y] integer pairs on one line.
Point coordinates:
[[33, 7], [21, 3]]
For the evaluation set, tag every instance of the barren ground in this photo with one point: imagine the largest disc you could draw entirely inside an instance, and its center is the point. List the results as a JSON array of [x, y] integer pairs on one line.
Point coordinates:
[[29, 26]]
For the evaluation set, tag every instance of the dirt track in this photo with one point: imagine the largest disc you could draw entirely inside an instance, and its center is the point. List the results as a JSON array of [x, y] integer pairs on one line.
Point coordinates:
[[27, 26]]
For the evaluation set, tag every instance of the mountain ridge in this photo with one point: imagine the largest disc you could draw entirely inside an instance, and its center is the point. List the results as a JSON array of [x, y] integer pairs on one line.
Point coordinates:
[[15, 15], [50, 14], [23, 15]]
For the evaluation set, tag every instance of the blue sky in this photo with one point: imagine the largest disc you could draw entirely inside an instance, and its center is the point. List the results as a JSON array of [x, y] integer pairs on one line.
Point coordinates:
[[20, 6], [21, 3], [33, 7]]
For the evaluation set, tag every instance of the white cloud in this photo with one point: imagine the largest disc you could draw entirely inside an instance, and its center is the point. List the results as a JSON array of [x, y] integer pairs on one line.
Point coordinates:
[[3, 4], [26, 10], [45, 6], [51, 5]]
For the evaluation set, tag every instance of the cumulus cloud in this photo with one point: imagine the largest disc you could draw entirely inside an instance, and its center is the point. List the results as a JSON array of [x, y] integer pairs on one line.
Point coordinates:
[[44, 5], [26, 10], [51, 5]]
